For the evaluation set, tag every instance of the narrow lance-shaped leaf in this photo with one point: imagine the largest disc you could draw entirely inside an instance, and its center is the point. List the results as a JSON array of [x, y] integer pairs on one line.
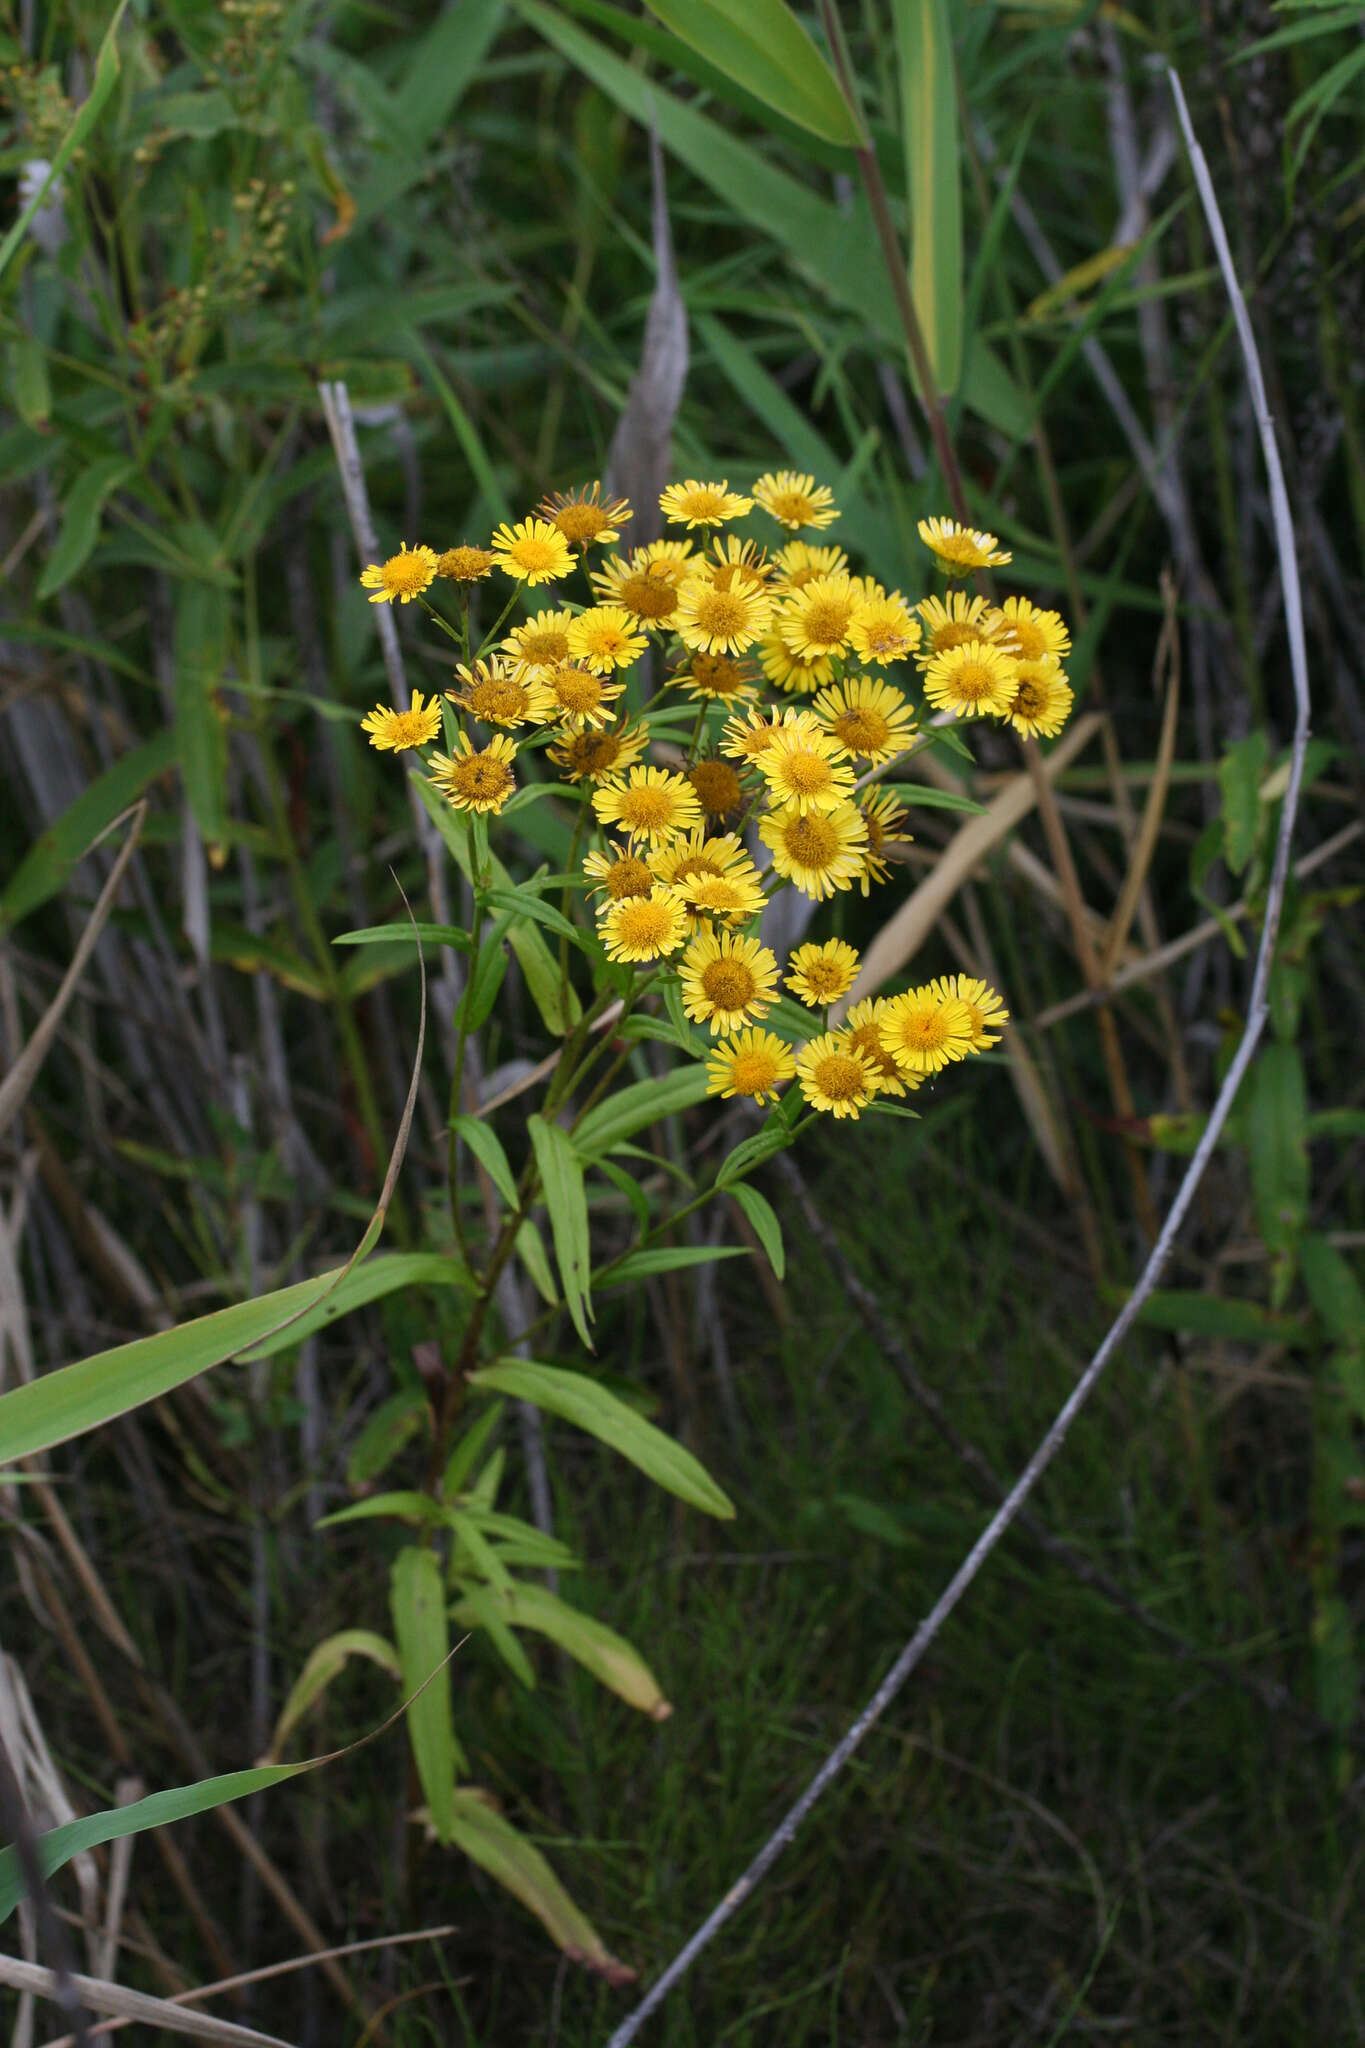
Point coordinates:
[[561, 1180], [494, 1844], [322, 1666], [764, 48], [417, 1601], [928, 78]]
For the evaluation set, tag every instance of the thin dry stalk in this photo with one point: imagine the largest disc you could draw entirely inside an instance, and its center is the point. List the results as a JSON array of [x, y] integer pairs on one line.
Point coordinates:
[[1257, 1012]]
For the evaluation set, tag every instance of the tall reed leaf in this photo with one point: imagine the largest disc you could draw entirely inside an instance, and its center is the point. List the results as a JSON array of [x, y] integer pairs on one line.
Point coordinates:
[[928, 76]]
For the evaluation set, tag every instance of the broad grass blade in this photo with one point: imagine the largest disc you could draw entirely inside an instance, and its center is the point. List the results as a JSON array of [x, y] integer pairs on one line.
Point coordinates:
[[928, 78], [765, 49]]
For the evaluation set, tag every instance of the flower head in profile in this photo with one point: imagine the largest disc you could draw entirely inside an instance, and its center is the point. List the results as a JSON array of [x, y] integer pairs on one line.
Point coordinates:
[[817, 619], [533, 552], [816, 851], [650, 804], [961, 548], [795, 501], [714, 877], [726, 979], [541, 640], [402, 577], [788, 672], [863, 1029], [577, 696], [643, 927], [798, 564], [500, 693], [924, 1031], [753, 1063], [868, 717], [749, 734], [986, 1014], [476, 779], [702, 504], [604, 638], [582, 517], [585, 754], [819, 974], [971, 681], [617, 874], [1042, 697], [834, 1076], [953, 620], [394, 731], [884, 629], [1035, 633], [805, 771], [465, 564], [719, 678], [883, 816]]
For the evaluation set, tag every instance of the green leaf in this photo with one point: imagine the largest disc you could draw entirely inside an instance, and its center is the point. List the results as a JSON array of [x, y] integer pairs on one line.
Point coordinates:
[[367, 1282], [667, 1258], [468, 1451], [1240, 775], [482, 1607], [485, 978], [561, 1180], [524, 903], [645, 1102], [201, 622], [1277, 1130], [774, 1137], [533, 1255], [410, 934], [1210, 1315], [322, 1666], [28, 380], [486, 1146], [603, 1415], [106, 72], [494, 1844], [1334, 1291], [417, 1509], [610, 1659], [929, 97], [417, 1600], [393, 1424], [929, 797], [47, 865], [765, 1225], [81, 510], [765, 49]]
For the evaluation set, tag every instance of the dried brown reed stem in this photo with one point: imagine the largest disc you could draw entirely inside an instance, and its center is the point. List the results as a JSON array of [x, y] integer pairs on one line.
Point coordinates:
[[1257, 1012]]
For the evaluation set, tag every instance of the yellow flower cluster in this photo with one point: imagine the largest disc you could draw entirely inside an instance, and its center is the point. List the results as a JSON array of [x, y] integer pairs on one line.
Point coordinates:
[[721, 621]]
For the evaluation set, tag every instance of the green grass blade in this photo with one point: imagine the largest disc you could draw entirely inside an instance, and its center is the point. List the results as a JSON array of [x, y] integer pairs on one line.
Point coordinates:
[[765, 49], [417, 1600], [46, 866], [933, 159], [106, 72]]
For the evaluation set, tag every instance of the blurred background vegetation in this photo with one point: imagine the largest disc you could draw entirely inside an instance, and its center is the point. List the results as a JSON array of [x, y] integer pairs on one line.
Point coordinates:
[[1122, 1801]]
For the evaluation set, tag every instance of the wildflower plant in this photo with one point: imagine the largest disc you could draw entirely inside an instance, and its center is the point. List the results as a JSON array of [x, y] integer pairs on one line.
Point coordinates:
[[712, 717]]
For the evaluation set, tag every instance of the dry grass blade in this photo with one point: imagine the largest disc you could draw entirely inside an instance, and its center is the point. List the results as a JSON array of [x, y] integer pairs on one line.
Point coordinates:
[[1257, 1012], [901, 937], [21, 1076], [1168, 650], [102, 1996], [637, 462]]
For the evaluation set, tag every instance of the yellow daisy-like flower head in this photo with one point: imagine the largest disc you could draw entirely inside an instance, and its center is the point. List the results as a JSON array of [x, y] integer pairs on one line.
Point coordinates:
[[533, 552], [1035, 633], [1042, 697], [820, 974], [923, 1031], [986, 1013], [788, 672], [795, 501], [698, 504], [868, 717], [717, 786], [542, 640], [817, 619], [748, 735], [713, 877], [884, 629], [500, 693], [816, 851], [721, 899], [803, 770], [751, 1063], [586, 755], [476, 779], [578, 697], [465, 564], [394, 731], [971, 681], [961, 548], [403, 577], [726, 979], [721, 614], [646, 588], [798, 564], [883, 817], [643, 927], [651, 804], [583, 519], [605, 638], [617, 874], [719, 678], [731, 559], [834, 1076], [952, 621], [863, 1028]]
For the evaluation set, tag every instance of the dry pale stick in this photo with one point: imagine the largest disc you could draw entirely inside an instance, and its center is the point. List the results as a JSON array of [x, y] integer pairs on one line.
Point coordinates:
[[1255, 1023]]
